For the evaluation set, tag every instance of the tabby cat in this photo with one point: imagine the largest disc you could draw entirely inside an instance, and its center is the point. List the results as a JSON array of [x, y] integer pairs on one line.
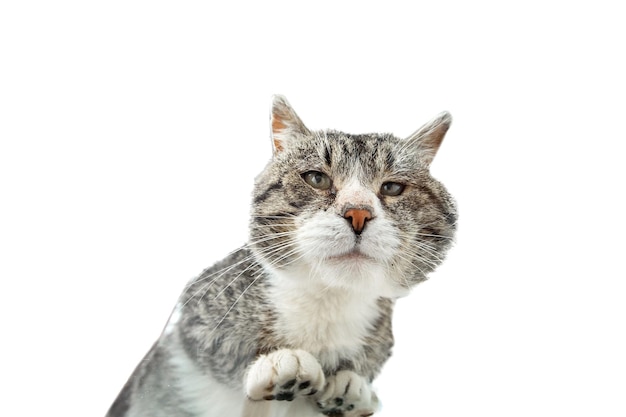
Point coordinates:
[[298, 321]]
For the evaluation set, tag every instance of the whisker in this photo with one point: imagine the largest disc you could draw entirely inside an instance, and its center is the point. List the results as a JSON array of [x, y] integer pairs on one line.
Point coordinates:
[[434, 235], [258, 226], [235, 302], [420, 257], [286, 216], [206, 287], [270, 237], [221, 271], [426, 247], [202, 277], [275, 249], [230, 283], [226, 269], [411, 263], [287, 255]]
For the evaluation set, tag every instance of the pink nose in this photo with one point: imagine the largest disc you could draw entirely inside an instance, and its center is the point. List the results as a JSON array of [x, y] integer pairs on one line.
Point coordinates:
[[357, 217]]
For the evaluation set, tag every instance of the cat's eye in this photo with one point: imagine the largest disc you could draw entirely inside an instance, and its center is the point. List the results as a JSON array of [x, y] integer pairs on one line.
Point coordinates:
[[391, 189], [317, 180]]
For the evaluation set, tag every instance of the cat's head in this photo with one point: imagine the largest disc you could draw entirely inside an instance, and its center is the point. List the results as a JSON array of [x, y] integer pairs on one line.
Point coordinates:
[[358, 212]]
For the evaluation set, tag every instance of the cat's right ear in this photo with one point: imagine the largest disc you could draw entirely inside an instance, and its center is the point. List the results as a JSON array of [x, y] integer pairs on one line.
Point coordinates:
[[284, 124]]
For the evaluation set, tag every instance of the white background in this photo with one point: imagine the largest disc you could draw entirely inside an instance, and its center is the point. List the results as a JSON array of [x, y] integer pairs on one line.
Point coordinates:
[[131, 131]]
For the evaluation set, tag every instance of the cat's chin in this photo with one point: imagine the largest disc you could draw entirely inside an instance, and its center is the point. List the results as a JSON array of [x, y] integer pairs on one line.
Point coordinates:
[[356, 272]]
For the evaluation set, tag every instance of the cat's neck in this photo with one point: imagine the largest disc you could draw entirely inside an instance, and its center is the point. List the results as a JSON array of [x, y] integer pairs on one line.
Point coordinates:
[[329, 322]]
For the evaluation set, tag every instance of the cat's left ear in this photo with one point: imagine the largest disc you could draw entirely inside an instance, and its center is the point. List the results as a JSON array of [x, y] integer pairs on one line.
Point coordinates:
[[285, 124], [427, 139]]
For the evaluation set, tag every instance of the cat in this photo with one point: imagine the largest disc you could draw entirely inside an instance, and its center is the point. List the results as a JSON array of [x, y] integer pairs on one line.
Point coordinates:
[[298, 321]]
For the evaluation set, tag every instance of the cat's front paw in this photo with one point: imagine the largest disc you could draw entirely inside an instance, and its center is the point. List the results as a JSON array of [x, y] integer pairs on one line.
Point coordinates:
[[283, 375], [347, 394]]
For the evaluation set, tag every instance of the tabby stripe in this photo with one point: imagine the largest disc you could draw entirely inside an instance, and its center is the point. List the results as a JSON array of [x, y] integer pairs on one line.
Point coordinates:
[[263, 196], [433, 197], [450, 218], [327, 155], [297, 205], [390, 162]]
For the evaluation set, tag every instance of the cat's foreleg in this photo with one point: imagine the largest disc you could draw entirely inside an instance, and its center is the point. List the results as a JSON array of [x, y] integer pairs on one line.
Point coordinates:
[[347, 394], [283, 375]]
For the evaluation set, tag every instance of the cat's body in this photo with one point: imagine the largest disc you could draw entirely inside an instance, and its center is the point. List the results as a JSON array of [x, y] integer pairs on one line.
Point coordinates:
[[298, 322]]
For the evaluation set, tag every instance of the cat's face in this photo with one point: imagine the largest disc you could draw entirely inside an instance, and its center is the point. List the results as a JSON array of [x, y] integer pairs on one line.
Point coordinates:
[[351, 211]]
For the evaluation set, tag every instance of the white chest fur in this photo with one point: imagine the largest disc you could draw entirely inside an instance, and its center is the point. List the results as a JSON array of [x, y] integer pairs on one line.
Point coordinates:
[[328, 322]]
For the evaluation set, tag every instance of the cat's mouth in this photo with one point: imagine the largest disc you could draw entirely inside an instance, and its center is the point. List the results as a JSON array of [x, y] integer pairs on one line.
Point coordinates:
[[353, 255]]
